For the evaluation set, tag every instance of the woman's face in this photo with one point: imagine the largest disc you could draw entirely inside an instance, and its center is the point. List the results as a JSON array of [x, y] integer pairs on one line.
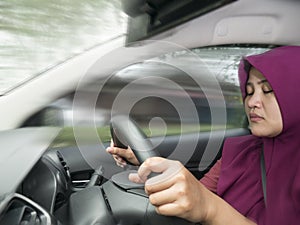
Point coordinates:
[[261, 106]]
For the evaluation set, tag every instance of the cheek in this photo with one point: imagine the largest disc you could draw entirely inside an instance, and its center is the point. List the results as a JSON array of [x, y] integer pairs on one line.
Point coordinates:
[[246, 108], [279, 121], [276, 117], [274, 110], [247, 111]]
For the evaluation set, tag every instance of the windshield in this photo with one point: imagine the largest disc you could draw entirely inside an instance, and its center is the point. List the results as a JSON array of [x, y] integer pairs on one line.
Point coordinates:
[[36, 35]]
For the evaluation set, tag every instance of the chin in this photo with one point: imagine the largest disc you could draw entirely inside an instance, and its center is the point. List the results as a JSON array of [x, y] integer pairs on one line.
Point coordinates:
[[262, 133], [259, 132]]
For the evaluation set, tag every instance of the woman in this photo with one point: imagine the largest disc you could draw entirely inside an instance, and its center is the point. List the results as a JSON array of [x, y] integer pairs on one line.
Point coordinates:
[[269, 85]]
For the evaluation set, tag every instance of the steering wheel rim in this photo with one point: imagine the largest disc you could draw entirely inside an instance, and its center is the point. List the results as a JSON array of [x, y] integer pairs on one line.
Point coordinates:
[[126, 131]]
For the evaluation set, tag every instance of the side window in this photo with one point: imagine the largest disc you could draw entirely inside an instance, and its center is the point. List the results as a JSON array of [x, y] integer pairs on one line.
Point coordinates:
[[180, 92], [176, 93]]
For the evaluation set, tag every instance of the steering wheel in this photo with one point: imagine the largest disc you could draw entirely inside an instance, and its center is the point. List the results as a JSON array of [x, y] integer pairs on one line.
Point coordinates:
[[125, 131], [120, 201]]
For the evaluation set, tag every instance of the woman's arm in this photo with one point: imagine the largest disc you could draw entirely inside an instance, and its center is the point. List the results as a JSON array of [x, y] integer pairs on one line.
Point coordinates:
[[211, 178], [176, 192], [223, 213]]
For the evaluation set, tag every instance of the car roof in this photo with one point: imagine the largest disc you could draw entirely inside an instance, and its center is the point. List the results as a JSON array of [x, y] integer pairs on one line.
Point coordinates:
[[242, 21]]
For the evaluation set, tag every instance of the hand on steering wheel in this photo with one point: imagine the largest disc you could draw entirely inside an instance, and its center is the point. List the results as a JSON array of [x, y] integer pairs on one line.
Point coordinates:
[[122, 156], [175, 192]]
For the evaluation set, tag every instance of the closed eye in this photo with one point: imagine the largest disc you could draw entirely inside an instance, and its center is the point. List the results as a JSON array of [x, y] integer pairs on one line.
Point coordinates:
[[266, 87], [267, 92]]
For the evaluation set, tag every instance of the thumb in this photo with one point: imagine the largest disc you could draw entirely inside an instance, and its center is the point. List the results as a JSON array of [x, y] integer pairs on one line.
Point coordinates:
[[134, 177], [167, 170], [110, 150]]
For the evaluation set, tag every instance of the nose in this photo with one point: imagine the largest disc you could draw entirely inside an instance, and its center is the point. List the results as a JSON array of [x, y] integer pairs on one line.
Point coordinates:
[[255, 100]]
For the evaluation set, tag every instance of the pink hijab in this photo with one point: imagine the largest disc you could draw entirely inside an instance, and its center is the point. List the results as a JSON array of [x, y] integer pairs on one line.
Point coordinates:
[[240, 179]]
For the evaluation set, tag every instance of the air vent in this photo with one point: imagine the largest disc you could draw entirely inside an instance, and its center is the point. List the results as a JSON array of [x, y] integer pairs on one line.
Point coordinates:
[[29, 216], [64, 165], [23, 211], [60, 200]]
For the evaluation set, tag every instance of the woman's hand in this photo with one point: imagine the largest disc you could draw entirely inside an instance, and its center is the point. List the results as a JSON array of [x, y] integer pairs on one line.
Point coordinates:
[[174, 192], [120, 154]]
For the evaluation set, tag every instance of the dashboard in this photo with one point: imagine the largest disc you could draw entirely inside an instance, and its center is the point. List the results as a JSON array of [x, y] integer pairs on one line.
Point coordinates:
[[36, 180], [42, 194], [49, 182], [37, 188]]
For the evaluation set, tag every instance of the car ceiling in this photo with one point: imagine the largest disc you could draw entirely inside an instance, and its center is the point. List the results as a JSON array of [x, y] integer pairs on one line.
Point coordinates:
[[242, 21]]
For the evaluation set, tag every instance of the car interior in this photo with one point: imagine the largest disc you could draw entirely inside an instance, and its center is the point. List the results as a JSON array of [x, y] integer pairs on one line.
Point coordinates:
[[168, 87]]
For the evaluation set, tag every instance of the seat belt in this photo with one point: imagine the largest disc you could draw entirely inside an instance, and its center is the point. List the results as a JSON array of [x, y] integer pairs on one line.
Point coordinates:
[[263, 174]]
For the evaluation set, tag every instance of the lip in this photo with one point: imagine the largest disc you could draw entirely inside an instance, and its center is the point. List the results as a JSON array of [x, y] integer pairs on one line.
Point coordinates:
[[255, 117]]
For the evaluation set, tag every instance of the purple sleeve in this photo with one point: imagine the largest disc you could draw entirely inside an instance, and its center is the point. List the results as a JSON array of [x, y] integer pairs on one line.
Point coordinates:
[[210, 179]]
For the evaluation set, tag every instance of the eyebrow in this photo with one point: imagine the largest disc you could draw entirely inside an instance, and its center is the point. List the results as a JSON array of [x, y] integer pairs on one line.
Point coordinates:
[[259, 82]]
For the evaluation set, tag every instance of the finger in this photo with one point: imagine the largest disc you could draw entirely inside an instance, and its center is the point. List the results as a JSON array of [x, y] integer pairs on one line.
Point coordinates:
[[119, 160], [170, 176], [157, 165], [134, 177], [122, 152], [154, 164], [170, 209], [163, 197], [120, 164], [110, 150], [118, 151]]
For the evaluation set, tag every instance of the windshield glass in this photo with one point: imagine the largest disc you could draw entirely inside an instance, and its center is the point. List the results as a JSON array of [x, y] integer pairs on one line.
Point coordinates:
[[36, 35]]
